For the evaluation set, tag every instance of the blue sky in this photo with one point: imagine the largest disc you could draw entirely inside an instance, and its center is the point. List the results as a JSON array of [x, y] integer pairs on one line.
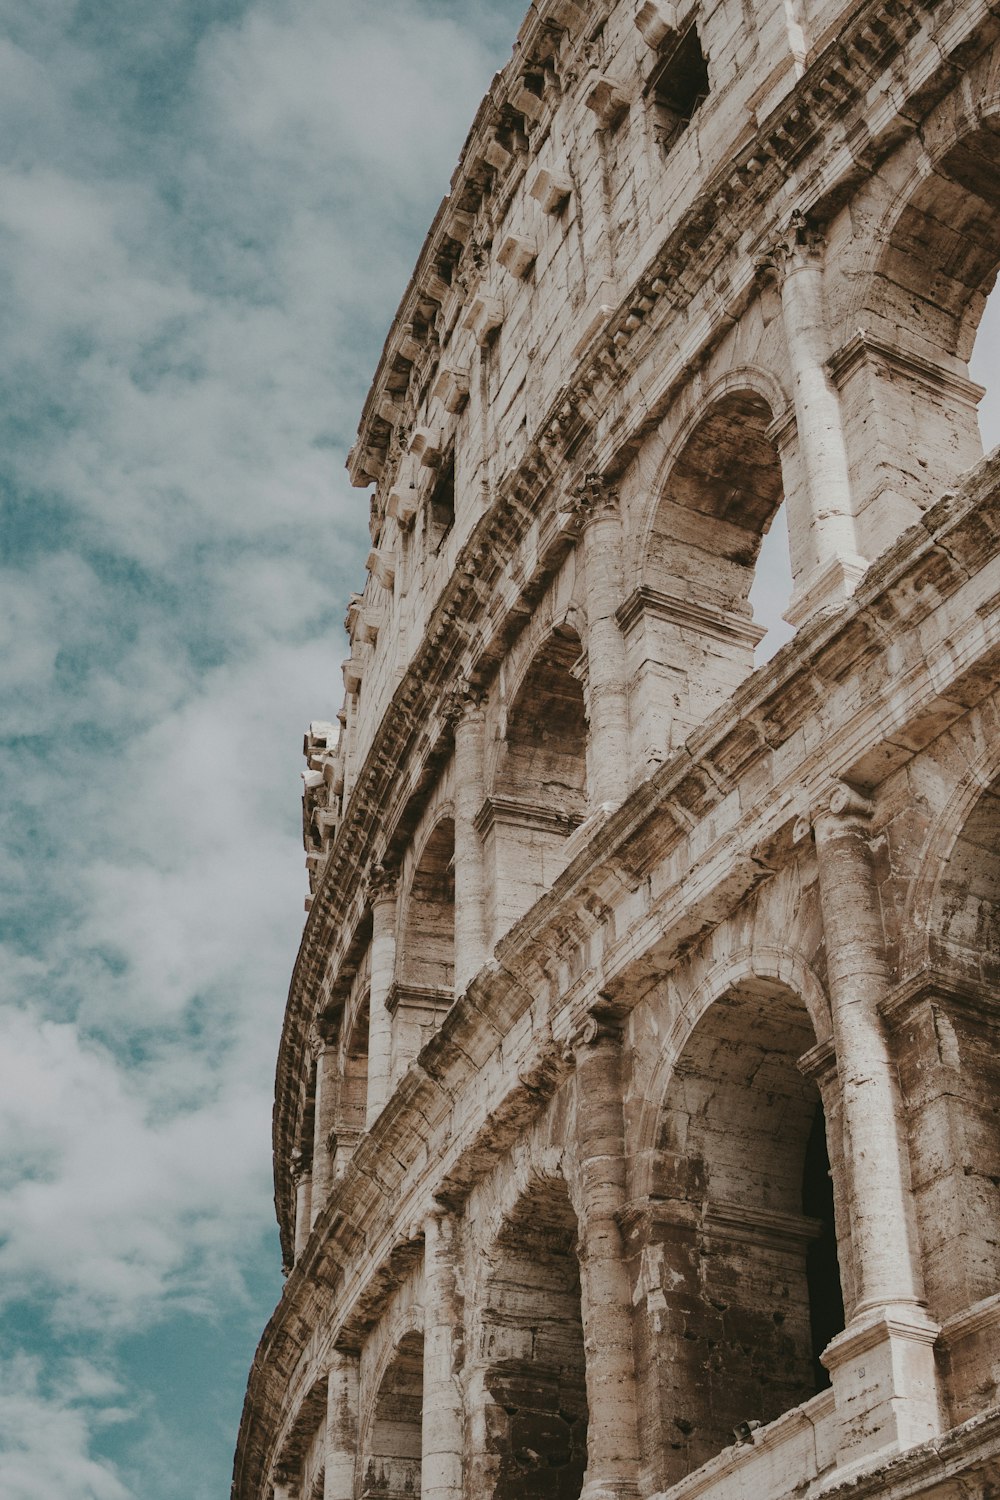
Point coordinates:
[[208, 211]]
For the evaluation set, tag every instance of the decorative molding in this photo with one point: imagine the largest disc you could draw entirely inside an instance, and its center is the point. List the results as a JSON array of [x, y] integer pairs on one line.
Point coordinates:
[[514, 812], [686, 614]]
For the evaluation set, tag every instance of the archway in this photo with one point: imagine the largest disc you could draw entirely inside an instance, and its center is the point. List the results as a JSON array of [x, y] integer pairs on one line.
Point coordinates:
[[743, 1230], [424, 987], [691, 633], [539, 787], [908, 400], [391, 1468], [533, 1361]]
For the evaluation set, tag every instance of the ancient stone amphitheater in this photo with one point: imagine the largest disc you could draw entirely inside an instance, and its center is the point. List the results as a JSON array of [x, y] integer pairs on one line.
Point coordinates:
[[638, 1105]]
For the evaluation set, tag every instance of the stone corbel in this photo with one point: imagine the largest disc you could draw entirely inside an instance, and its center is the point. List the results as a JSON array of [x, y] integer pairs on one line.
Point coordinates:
[[483, 316], [526, 102], [607, 97], [381, 564], [402, 504], [353, 672], [550, 189], [426, 444], [517, 254], [656, 19], [451, 388]]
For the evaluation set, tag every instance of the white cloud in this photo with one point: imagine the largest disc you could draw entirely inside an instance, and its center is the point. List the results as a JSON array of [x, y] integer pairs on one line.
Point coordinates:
[[45, 1432]]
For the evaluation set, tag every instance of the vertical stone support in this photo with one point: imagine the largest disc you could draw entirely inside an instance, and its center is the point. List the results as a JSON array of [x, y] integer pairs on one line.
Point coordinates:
[[471, 944], [596, 507], [302, 1178], [324, 1050], [882, 1365], [443, 1427], [612, 1427], [826, 515], [341, 1426], [382, 895]]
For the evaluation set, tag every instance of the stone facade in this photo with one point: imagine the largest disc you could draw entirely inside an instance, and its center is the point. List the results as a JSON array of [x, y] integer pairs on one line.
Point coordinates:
[[637, 1127]]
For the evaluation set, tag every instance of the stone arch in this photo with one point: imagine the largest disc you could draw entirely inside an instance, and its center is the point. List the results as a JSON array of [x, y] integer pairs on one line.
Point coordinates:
[[920, 286], [946, 1029], [537, 793], [529, 1406], [424, 986], [739, 1239], [393, 1438], [352, 1098], [688, 624]]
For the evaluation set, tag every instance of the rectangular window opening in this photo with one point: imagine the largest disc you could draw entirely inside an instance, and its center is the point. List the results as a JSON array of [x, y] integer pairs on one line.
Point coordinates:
[[441, 507], [677, 88]]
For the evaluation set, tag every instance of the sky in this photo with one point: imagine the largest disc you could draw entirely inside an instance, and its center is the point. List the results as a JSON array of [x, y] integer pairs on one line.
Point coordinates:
[[208, 212]]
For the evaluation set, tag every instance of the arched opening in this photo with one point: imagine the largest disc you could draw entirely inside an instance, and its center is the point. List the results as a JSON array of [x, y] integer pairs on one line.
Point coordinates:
[[947, 1035], [908, 401], [743, 1233], [352, 1099], [391, 1469], [424, 988], [533, 1362], [984, 367], [690, 629], [539, 790]]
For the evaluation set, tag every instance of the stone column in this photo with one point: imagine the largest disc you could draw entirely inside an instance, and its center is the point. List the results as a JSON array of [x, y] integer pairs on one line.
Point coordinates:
[[612, 1428], [596, 506], [827, 516], [883, 1364], [382, 895], [341, 1426], [471, 942], [443, 1427], [324, 1050], [302, 1180]]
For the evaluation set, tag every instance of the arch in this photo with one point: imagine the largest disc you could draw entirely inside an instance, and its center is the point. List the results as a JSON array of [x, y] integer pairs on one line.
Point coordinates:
[[537, 794], [946, 1031], [741, 1236], [394, 1437], [921, 284], [689, 628], [530, 1407]]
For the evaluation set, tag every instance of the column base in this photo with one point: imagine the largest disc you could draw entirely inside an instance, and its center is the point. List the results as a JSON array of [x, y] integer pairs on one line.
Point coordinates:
[[885, 1382], [609, 1489]]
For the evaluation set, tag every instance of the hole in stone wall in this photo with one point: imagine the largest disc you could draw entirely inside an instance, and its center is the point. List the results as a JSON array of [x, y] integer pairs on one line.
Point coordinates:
[[535, 1380], [677, 88], [391, 1468], [441, 506]]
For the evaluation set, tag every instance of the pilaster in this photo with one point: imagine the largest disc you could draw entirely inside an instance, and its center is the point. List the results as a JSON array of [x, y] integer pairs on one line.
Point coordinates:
[[443, 1424], [882, 1365], [341, 1426], [595, 504], [382, 896], [612, 1429]]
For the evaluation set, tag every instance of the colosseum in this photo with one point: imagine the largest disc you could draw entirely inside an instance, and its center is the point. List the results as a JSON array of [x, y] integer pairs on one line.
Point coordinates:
[[637, 1123]]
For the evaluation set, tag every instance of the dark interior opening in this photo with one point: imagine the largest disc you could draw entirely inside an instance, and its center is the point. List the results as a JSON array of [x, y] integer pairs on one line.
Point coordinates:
[[441, 509], [826, 1300], [678, 87]]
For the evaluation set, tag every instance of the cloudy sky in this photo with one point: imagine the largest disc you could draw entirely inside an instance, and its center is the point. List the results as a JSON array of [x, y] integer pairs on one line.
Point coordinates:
[[208, 211]]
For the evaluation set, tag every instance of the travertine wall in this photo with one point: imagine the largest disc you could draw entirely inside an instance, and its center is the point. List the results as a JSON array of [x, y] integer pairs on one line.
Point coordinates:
[[636, 1128]]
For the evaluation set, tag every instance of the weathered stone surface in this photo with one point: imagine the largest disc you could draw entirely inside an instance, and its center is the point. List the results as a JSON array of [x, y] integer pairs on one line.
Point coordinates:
[[637, 1125]]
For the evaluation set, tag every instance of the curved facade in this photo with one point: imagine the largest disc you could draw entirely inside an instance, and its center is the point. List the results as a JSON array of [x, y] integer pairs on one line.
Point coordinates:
[[637, 1127]]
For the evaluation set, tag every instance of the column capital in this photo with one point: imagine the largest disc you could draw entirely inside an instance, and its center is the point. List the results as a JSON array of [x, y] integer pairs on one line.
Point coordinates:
[[600, 1027], [463, 700], [382, 882], [801, 245], [593, 498]]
